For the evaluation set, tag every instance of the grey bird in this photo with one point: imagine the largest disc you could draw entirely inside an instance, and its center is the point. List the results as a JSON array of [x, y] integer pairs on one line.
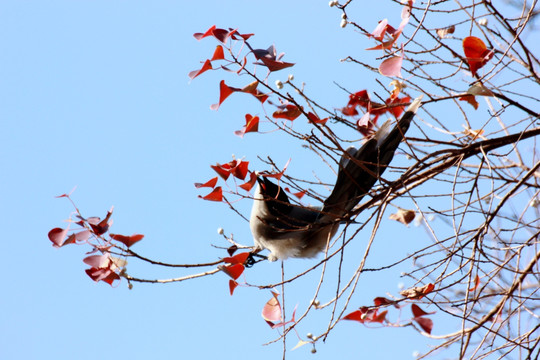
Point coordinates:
[[289, 230]]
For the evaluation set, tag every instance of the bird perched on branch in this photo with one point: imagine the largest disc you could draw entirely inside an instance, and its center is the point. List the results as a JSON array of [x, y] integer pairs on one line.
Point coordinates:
[[289, 230]]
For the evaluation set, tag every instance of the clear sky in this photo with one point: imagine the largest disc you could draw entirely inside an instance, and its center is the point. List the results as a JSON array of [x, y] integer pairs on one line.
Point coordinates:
[[95, 94]]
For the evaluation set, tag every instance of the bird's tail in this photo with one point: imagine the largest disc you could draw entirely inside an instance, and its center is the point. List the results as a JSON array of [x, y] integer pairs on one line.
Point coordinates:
[[360, 169]]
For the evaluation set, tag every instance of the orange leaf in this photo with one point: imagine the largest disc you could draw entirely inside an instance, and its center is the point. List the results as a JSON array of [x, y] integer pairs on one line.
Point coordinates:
[[476, 53], [471, 99], [476, 283]]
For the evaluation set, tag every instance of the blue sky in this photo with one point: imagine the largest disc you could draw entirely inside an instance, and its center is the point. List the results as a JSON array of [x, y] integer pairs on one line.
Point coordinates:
[[95, 94]]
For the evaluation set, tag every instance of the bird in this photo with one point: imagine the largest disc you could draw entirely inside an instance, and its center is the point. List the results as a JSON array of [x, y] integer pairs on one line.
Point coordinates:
[[292, 231]]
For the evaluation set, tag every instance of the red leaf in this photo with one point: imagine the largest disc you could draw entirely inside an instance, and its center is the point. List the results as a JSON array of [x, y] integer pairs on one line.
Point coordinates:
[[252, 89], [476, 52], [206, 66], [208, 32], [224, 92], [234, 271], [235, 34], [270, 59], [314, 119], [128, 240], [365, 315], [418, 312], [103, 274], [70, 240], [237, 259], [349, 111], [355, 315], [223, 170], [109, 279], [299, 194], [378, 301], [249, 185], [232, 285], [271, 311], [276, 176], [425, 323], [220, 34], [218, 53], [275, 65], [362, 315], [57, 236], [215, 195], [239, 169], [252, 125], [210, 183], [289, 112], [397, 110], [103, 226], [360, 98], [232, 249], [380, 318]]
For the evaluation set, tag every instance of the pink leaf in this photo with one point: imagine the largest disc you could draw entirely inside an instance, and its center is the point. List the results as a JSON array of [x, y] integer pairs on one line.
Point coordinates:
[[97, 261], [391, 66], [272, 310]]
